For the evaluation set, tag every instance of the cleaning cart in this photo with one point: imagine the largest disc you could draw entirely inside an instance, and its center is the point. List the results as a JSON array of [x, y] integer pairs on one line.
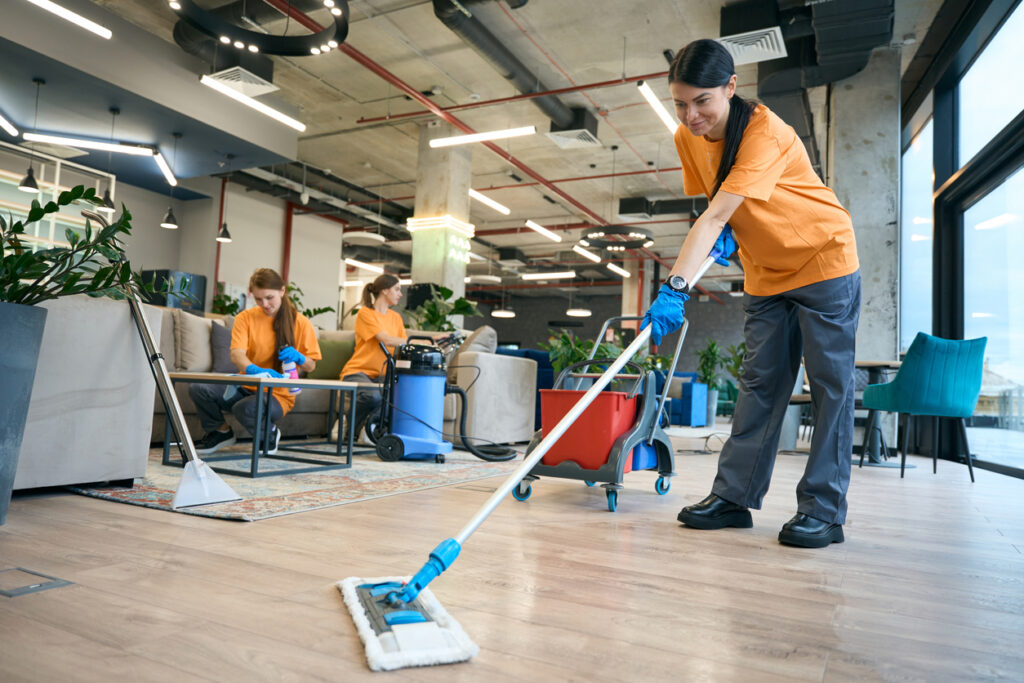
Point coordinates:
[[619, 432]]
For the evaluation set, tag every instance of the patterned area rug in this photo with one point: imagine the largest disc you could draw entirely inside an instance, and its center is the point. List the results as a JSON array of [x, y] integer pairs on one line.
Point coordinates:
[[273, 496]]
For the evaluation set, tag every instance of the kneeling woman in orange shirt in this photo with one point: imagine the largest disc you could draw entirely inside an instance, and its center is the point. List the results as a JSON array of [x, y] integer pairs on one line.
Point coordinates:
[[376, 323], [262, 338], [802, 294]]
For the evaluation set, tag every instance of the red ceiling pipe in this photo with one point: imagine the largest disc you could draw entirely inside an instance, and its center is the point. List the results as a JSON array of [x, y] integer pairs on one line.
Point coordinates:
[[220, 222], [516, 98], [286, 255]]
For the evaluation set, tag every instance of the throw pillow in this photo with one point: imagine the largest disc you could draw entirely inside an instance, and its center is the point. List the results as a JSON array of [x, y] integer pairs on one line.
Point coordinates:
[[192, 342], [335, 354], [483, 340], [220, 348]]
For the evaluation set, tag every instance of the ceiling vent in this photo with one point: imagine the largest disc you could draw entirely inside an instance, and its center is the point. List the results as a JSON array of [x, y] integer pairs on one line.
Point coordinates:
[[755, 46], [511, 257], [244, 81], [582, 132], [638, 208]]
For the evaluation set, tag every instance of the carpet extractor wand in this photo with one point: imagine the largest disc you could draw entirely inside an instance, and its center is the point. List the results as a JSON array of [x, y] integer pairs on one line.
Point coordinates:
[[400, 622]]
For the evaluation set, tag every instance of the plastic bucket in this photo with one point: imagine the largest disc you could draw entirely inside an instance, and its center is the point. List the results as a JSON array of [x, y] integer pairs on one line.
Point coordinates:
[[589, 440]]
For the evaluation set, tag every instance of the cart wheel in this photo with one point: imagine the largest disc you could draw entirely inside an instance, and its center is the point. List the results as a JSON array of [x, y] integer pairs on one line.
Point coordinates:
[[519, 493], [613, 500], [589, 483], [439, 458], [662, 485], [390, 448]]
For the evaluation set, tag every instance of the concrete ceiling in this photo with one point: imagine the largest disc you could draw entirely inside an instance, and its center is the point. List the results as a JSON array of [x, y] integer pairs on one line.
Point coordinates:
[[564, 43]]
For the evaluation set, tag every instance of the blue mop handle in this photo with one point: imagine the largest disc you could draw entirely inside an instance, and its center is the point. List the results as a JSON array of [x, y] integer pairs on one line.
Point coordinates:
[[440, 559]]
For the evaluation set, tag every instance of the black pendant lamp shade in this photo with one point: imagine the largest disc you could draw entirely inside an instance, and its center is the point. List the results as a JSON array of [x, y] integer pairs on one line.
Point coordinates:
[[28, 183], [223, 235], [169, 221]]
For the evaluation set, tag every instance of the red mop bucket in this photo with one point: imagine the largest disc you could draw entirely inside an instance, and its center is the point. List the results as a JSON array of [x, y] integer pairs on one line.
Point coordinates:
[[590, 439]]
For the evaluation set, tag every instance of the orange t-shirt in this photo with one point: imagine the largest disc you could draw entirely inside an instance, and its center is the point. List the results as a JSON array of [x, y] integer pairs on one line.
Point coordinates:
[[790, 231], [253, 332], [368, 357]]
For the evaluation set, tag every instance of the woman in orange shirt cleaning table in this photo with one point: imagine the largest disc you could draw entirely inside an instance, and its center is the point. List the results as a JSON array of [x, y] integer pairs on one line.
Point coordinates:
[[376, 323], [802, 294], [262, 337]]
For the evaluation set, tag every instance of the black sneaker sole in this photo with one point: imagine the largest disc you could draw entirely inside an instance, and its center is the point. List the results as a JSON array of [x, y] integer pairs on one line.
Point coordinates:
[[213, 449], [834, 535], [739, 519]]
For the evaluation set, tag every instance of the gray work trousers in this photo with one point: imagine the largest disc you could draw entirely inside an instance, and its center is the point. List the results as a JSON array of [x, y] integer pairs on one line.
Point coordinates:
[[367, 400], [211, 406], [819, 321]]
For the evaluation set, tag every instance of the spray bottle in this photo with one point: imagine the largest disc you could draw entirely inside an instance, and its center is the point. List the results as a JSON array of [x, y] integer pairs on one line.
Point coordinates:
[[290, 370]]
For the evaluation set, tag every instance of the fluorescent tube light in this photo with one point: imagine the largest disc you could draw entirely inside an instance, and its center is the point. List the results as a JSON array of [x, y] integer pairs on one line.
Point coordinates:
[[365, 266], [658, 107], [920, 238], [494, 279], [484, 199], [353, 283], [250, 102], [997, 222], [405, 281], [561, 275], [12, 131], [481, 137], [466, 280], [116, 147], [586, 254], [165, 169], [68, 15], [437, 223], [615, 269], [544, 231]]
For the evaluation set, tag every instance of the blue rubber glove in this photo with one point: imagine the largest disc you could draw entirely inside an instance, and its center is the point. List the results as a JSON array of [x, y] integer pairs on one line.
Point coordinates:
[[725, 246], [289, 354], [665, 315], [253, 369]]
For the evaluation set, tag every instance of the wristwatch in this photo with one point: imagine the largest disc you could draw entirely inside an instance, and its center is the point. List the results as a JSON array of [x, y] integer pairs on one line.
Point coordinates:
[[677, 283]]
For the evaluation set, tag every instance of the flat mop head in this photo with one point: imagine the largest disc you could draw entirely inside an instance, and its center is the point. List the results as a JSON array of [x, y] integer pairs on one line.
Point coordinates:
[[419, 633]]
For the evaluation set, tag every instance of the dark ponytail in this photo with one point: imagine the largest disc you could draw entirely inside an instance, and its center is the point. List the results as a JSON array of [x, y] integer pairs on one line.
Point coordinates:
[[284, 319], [707, 64], [370, 291]]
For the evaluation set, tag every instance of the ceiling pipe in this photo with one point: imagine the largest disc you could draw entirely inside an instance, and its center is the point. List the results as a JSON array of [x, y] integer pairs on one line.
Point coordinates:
[[458, 17], [524, 96]]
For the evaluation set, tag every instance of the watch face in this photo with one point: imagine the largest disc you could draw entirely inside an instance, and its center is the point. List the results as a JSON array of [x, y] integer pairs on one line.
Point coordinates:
[[677, 282]]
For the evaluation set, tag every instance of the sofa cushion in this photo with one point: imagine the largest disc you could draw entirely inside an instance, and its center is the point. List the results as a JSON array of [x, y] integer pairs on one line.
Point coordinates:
[[167, 338], [220, 348], [335, 354], [483, 340], [192, 342]]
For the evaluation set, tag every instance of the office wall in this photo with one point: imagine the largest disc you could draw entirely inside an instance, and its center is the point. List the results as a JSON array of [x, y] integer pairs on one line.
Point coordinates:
[[150, 247], [316, 252]]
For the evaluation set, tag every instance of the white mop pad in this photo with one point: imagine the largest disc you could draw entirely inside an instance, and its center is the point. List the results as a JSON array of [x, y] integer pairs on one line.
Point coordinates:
[[441, 641]]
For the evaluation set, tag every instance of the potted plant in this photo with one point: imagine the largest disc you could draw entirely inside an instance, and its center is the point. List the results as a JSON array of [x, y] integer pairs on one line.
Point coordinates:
[[709, 360], [434, 313], [223, 304], [295, 293], [93, 264]]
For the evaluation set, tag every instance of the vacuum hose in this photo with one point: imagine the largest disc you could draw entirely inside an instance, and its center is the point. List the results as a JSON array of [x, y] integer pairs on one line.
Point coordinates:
[[488, 453]]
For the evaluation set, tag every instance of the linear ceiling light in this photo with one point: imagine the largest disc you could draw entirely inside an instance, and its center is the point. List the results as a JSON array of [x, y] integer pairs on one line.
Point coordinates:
[[494, 279], [481, 137], [116, 147], [165, 169], [484, 199], [658, 107], [250, 102], [13, 132], [586, 254], [354, 283], [561, 275], [445, 221], [365, 266], [405, 281], [615, 269], [544, 231], [68, 15]]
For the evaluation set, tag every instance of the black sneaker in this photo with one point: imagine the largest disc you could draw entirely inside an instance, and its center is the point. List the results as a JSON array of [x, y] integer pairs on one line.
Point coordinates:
[[274, 441], [215, 440]]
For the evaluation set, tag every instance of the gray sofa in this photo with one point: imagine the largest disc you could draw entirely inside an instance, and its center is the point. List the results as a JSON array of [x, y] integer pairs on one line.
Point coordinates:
[[500, 399]]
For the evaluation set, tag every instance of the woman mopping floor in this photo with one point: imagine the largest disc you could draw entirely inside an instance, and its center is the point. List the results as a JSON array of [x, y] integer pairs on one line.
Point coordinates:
[[802, 294]]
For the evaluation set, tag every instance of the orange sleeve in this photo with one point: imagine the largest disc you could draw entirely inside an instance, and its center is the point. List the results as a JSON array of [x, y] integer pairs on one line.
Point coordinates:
[[240, 332], [367, 325], [760, 163], [691, 180], [305, 338]]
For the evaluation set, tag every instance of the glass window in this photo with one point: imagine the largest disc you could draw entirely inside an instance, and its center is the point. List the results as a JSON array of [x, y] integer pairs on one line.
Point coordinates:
[[917, 176], [991, 93], [994, 308]]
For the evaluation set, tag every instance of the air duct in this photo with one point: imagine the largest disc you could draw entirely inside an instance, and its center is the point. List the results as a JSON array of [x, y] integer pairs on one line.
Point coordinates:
[[641, 208]]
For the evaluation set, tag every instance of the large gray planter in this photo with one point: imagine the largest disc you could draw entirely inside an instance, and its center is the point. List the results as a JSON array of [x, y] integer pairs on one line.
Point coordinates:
[[712, 406], [21, 333]]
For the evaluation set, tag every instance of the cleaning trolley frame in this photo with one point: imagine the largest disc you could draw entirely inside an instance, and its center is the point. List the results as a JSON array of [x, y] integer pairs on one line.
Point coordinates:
[[644, 445]]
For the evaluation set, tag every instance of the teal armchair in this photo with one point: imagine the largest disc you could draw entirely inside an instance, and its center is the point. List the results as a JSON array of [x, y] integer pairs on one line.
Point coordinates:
[[939, 378]]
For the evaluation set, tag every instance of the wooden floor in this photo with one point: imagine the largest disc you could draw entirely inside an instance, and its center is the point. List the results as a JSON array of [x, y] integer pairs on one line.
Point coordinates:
[[928, 586]]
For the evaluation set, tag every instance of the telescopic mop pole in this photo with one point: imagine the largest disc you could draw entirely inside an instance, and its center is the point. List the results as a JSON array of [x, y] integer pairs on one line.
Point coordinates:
[[445, 553]]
